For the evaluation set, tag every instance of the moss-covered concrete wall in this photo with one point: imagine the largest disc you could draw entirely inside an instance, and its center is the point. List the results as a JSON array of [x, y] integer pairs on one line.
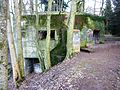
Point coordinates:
[[57, 21], [58, 46], [88, 20], [91, 22], [30, 43]]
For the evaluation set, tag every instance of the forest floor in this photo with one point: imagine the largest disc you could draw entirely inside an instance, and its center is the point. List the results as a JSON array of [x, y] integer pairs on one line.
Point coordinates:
[[99, 70]]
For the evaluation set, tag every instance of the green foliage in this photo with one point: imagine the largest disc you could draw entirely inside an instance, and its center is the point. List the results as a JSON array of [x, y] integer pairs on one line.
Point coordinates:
[[87, 20], [80, 21], [94, 17], [91, 23], [97, 25]]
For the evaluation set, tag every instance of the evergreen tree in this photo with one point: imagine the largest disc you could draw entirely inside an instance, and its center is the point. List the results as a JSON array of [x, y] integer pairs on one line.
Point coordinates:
[[114, 25], [107, 14], [108, 9]]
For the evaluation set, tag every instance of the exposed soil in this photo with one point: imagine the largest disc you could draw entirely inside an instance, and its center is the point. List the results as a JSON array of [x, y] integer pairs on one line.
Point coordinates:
[[99, 70]]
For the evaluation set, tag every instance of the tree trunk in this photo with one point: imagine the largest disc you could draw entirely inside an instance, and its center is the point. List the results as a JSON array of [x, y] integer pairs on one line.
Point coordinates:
[[39, 53], [101, 9], [47, 50], [14, 62], [71, 22], [31, 6], [83, 2], [4, 49], [17, 6]]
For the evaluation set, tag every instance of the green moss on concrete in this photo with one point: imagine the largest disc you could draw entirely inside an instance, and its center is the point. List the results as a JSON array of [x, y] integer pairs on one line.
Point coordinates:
[[1, 62], [59, 52], [1, 45], [57, 21]]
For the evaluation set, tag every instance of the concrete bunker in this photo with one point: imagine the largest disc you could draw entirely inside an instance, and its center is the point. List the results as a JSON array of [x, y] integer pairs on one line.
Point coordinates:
[[32, 65]]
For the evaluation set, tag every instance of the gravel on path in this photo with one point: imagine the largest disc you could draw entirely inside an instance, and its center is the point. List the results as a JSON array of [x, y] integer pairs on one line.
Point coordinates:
[[99, 70]]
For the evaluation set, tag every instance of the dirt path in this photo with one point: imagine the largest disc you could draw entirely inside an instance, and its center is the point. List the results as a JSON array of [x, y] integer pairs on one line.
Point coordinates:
[[87, 71]]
